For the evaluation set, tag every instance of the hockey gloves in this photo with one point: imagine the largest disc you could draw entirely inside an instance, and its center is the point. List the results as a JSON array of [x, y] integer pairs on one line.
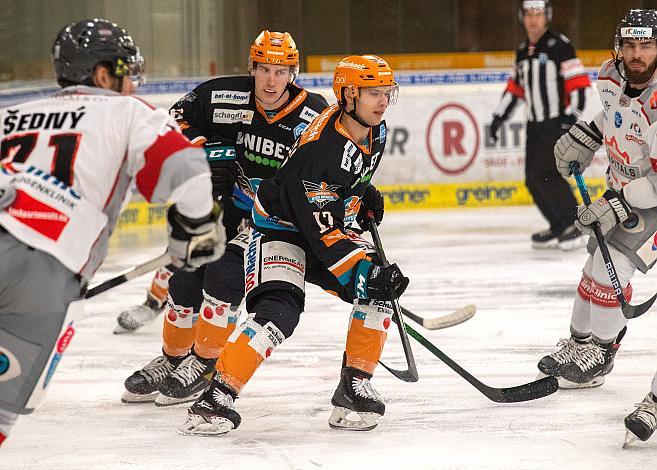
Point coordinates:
[[495, 127], [7, 196], [193, 242], [372, 201], [579, 144], [376, 282], [223, 167], [608, 211], [567, 121]]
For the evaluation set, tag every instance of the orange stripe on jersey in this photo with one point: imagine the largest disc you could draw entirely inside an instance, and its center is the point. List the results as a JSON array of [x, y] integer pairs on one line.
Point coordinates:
[[333, 237], [347, 263], [342, 130], [575, 83], [314, 130], [292, 105], [155, 156], [515, 89]]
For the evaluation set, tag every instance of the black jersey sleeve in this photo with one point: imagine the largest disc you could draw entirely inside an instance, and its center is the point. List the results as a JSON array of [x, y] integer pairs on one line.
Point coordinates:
[[188, 113]]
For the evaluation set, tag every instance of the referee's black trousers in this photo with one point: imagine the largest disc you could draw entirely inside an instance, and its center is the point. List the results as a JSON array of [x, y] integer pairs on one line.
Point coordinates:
[[551, 192]]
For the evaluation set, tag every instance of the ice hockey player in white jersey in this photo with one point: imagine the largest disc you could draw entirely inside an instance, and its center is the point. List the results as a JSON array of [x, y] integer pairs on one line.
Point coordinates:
[[627, 127], [69, 162]]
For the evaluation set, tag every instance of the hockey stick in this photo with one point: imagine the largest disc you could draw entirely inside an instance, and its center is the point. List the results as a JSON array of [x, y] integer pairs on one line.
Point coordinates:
[[127, 275], [629, 311], [529, 391], [451, 319], [409, 375]]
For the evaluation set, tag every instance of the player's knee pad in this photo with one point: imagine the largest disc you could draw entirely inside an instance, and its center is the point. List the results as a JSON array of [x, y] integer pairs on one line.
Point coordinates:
[[31, 347], [368, 326], [246, 349], [185, 288], [224, 278]]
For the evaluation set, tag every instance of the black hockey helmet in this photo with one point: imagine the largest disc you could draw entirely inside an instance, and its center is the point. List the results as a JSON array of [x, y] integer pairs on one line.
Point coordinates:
[[545, 5], [637, 24], [80, 46]]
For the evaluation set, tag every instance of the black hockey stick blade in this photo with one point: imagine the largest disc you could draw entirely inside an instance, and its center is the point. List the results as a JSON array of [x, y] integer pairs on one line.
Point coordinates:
[[526, 392], [127, 275], [632, 311], [445, 321]]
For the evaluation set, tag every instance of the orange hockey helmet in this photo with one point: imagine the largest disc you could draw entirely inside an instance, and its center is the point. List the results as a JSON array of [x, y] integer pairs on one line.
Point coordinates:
[[359, 71], [271, 47]]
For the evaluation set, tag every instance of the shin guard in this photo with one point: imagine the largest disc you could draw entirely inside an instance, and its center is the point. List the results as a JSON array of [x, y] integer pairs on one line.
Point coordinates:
[[368, 324], [178, 331], [216, 322]]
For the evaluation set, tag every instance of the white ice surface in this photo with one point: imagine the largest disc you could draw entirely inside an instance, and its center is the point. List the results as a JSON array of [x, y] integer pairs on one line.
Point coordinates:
[[453, 258]]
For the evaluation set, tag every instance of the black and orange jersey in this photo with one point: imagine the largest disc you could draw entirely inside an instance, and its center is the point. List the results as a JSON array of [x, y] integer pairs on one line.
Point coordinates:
[[224, 109], [318, 190]]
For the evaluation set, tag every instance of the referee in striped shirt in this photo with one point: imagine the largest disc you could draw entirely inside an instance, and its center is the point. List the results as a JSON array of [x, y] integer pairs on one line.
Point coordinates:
[[552, 82]]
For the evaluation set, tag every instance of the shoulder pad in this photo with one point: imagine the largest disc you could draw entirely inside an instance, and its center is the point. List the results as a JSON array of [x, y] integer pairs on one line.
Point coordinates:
[[314, 130], [608, 71], [650, 104]]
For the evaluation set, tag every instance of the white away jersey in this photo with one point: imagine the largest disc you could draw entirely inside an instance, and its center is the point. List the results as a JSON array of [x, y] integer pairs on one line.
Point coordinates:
[[74, 156]]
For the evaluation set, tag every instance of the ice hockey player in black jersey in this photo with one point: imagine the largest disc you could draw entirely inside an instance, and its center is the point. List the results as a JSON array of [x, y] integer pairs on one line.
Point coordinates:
[[247, 125], [299, 235]]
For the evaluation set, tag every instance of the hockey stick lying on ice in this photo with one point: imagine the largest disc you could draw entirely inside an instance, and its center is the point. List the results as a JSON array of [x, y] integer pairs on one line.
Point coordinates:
[[451, 319], [529, 391], [127, 275], [409, 375], [629, 310]]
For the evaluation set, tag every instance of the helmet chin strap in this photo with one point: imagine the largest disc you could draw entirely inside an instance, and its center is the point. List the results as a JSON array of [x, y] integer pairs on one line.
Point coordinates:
[[352, 114]]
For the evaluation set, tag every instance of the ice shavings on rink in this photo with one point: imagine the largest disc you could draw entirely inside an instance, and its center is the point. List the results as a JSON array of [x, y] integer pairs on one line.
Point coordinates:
[[453, 257]]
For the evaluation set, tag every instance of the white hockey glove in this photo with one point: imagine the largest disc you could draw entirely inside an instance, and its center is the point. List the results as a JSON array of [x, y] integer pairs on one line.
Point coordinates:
[[193, 242], [7, 196], [608, 210], [579, 144]]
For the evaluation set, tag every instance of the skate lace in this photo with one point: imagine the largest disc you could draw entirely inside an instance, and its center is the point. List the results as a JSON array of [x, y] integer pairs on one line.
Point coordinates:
[[188, 370], [363, 388], [646, 411], [157, 369], [567, 351], [589, 356]]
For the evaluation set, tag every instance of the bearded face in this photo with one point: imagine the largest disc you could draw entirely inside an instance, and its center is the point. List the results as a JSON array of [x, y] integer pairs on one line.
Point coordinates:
[[639, 60]]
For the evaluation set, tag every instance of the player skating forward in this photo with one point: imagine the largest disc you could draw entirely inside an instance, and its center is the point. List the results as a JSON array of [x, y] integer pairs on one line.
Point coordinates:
[[68, 163], [262, 114], [299, 235], [626, 127], [256, 118]]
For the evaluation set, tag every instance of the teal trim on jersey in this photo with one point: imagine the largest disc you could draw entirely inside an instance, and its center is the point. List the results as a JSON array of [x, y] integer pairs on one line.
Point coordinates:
[[269, 222], [359, 315]]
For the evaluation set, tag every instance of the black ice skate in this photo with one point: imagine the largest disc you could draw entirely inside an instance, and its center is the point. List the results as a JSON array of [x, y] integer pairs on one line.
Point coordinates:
[[546, 239], [641, 423], [138, 316], [552, 363], [213, 413], [357, 405], [186, 382], [571, 239], [142, 385], [592, 362]]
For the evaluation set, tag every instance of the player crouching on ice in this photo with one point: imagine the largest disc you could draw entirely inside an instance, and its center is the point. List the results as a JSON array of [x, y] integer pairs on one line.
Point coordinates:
[[300, 235], [627, 127]]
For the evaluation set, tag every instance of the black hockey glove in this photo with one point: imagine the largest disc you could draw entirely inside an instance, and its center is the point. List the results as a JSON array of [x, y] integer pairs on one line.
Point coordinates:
[[376, 282], [194, 242], [495, 127], [221, 158], [372, 201]]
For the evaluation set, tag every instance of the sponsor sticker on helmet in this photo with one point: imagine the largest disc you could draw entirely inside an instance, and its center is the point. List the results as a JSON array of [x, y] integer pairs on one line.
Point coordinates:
[[636, 32], [533, 5]]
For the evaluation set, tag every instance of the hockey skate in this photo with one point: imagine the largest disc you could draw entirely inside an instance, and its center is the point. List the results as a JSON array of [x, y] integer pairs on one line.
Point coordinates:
[[552, 363], [588, 369], [186, 382], [139, 315], [572, 239], [545, 239], [213, 414], [641, 423], [142, 386], [358, 406]]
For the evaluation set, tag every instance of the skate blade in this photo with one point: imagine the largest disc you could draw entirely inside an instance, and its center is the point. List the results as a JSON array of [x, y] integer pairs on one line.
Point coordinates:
[[576, 244], [568, 385], [163, 400], [129, 397], [546, 246], [199, 426], [120, 330], [630, 438], [350, 420]]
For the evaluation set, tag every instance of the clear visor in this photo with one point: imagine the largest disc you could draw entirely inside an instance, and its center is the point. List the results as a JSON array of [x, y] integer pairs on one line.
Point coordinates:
[[390, 93], [136, 69]]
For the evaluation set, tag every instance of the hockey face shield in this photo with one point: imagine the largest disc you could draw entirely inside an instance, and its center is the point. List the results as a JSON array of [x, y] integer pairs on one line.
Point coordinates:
[[131, 67], [390, 93]]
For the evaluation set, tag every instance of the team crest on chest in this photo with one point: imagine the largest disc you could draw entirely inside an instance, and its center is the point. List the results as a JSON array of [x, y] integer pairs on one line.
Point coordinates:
[[320, 194]]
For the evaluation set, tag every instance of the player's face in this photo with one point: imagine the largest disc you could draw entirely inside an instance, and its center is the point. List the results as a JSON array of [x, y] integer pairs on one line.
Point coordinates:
[[535, 21], [373, 102], [639, 59], [270, 83]]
